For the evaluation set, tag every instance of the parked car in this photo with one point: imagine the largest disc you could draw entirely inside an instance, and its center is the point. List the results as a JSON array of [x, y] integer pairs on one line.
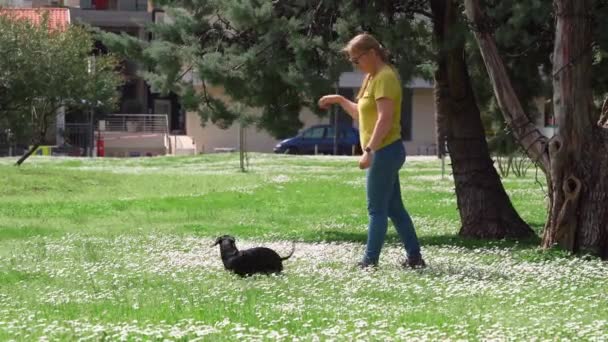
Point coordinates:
[[320, 138]]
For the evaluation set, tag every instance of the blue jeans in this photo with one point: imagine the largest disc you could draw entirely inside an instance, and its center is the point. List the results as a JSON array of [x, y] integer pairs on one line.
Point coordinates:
[[384, 201]]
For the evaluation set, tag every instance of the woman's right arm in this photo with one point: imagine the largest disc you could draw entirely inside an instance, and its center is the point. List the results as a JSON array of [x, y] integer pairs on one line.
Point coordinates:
[[348, 106]]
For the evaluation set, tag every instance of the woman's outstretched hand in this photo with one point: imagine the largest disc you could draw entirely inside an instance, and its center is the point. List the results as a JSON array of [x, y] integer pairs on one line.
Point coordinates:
[[329, 100]]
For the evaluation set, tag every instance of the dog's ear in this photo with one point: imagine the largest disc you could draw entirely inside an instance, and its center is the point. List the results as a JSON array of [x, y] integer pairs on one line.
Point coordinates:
[[217, 241]]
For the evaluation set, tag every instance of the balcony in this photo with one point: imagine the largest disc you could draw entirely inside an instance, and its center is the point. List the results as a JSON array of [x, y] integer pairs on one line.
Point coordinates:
[[113, 13], [134, 135], [110, 18], [140, 123], [115, 5]]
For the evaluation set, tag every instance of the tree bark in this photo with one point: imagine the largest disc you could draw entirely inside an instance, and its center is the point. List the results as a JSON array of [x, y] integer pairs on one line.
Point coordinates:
[[574, 158], [525, 132], [485, 208], [40, 124], [27, 155]]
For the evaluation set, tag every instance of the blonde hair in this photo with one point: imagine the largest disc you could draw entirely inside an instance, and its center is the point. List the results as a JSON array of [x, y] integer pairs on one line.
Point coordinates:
[[366, 42]]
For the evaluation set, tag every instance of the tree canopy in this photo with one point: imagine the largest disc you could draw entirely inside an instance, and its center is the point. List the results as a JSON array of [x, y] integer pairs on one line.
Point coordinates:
[[275, 56], [42, 69]]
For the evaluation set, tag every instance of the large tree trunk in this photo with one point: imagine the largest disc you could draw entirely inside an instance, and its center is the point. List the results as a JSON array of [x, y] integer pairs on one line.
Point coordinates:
[[574, 158], [485, 209]]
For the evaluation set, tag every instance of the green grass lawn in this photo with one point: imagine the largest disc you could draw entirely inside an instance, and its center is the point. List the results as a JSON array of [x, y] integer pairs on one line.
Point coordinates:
[[120, 249]]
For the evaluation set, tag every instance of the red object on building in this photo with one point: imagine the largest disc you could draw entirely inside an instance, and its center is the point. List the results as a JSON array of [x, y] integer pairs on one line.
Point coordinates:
[[101, 152], [100, 4]]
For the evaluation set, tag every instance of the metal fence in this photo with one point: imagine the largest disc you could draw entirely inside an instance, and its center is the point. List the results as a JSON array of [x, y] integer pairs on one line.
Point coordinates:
[[143, 123], [78, 134], [5, 146]]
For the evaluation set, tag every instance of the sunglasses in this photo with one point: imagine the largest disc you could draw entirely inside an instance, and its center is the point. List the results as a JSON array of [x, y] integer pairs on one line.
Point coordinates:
[[355, 60]]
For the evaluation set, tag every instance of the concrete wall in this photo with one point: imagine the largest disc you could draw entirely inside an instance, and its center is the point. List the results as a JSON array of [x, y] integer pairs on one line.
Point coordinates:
[[544, 108], [16, 3], [210, 137], [423, 123], [108, 19], [126, 144]]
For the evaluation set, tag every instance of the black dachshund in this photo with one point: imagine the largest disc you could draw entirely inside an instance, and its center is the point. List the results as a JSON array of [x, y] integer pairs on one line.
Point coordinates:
[[250, 261]]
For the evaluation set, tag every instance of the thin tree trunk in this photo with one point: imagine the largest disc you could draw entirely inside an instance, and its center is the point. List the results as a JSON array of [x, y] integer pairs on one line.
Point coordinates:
[[524, 130], [242, 147], [40, 124], [485, 209], [574, 158], [28, 154]]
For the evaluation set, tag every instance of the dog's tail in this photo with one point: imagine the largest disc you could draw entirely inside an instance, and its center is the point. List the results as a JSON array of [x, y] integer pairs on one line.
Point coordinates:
[[293, 249]]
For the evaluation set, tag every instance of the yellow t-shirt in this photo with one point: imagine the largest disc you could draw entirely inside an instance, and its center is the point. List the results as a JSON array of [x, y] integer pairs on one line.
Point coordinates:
[[385, 84]]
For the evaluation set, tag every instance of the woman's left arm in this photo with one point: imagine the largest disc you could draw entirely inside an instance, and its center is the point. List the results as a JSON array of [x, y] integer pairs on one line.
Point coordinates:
[[386, 109]]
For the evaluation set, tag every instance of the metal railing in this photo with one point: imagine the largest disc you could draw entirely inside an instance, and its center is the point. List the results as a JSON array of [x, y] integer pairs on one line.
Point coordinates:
[[78, 134], [140, 123]]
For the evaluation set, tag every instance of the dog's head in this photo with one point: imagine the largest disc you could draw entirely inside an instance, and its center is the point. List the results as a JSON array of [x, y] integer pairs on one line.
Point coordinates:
[[225, 241]]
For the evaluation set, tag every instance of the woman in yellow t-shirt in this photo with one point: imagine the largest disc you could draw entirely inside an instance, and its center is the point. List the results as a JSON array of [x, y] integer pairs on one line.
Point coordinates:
[[378, 111]]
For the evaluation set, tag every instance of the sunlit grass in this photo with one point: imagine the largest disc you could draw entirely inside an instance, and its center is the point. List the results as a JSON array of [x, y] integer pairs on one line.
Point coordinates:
[[119, 249]]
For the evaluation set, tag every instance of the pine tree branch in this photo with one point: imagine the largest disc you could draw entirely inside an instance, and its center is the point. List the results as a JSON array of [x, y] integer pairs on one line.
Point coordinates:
[[206, 96], [313, 20], [184, 73], [264, 49], [423, 13]]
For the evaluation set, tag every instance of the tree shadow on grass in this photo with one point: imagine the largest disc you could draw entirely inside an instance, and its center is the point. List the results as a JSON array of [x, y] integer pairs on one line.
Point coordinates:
[[438, 240], [523, 249], [470, 243]]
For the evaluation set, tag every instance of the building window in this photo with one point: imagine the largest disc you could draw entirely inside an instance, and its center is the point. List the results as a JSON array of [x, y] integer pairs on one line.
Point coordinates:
[[330, 133], [314, 133]]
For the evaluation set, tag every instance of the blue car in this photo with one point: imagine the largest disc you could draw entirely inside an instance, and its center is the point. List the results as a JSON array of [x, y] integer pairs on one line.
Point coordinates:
[[320, 138]]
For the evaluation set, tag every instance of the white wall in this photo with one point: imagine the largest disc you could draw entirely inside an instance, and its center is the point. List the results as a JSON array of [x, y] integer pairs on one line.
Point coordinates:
[[16, 3], [211, 137], [423, 124]]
